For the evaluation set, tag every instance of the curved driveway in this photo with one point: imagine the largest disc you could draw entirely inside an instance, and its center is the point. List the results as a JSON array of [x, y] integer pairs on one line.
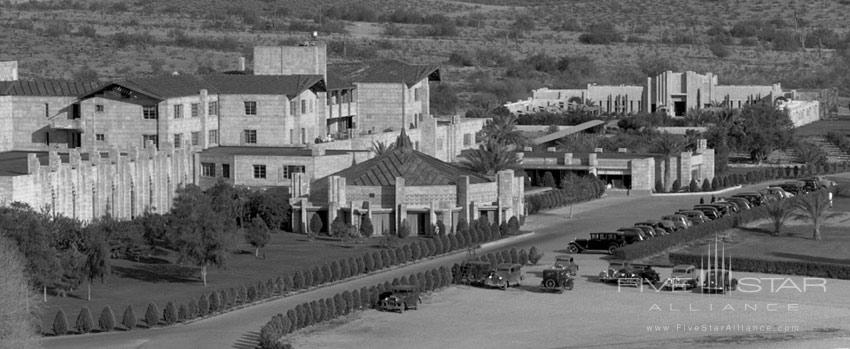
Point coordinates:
[[239, 328]]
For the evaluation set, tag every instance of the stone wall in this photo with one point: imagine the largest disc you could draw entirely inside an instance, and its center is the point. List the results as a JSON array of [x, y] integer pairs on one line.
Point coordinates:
[[121, 185]]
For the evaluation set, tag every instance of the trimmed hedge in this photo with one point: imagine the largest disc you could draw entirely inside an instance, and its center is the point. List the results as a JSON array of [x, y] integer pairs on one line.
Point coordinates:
[[318, 311], [60, 323], [85, 323], [106, 322], [826, 270]]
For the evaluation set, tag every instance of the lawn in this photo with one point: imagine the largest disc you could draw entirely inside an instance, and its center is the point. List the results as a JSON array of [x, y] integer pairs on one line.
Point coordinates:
[[794, 242], [158, 280], [822, 127]]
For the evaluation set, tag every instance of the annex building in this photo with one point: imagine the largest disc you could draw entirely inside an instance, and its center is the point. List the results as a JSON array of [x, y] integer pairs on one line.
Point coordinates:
[[406, 185], [674, 93]]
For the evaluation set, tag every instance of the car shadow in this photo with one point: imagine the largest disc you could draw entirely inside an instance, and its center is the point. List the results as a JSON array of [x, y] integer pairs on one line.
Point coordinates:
[[537, 289]]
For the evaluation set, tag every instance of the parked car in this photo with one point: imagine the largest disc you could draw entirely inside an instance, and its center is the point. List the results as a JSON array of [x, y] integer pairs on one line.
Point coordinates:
[[557, 280], [697, 217], [769, 196], [722, 209], [709, 211], [731, 207], [680, 221], [793, 187], [610, 274], [743, 204], [812, 184], [755, 199], [648, 231], [505, 275], [637, 274], [400, 298], [632, 234], [607, 242], [718, 281], [684, 276], [662, 227], [780, 192], [474, 272]]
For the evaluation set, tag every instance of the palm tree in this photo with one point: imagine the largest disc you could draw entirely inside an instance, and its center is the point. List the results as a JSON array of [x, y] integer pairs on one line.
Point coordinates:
[[380, 148], [779, 213], [814, 208], [501, 129], [490, 158]]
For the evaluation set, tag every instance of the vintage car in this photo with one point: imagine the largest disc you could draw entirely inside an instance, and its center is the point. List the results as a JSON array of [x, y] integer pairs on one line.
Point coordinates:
[[755, 199], [637, 274], [718, 281], [680, 221], [779, 192], [743, 204], [648, 231], [505, 275], [557, 279], [709, 211], [607, 242], [474, 272], [730, 207], [664, 226], [684, 276], [793, 187], [632, 234], [400, 298], [696, 217], [610, 274]]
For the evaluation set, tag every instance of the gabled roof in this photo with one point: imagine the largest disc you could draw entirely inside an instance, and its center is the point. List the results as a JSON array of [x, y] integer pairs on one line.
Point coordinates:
[[344, 75], [46, 88], [170, 86], [417, 169]]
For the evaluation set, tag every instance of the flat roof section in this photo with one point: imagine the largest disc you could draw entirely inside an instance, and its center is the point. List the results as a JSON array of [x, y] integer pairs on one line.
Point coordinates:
[[14, 163], [273, 151]]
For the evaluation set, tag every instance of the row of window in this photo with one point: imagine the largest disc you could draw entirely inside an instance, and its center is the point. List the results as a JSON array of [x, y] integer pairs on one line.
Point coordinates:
[[151, 112], [212, 138], [259, 171], [250, 136], [194, 109]]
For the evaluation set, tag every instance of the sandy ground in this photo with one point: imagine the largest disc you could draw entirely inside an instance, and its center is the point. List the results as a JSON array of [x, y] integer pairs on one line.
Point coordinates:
[[597, 315]]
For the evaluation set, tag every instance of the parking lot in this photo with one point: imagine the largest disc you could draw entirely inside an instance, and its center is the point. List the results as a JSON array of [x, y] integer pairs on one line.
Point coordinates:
[[603, 315]]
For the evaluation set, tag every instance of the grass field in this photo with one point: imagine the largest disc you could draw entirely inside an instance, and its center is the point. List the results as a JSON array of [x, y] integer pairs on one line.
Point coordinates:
[[159, 281]]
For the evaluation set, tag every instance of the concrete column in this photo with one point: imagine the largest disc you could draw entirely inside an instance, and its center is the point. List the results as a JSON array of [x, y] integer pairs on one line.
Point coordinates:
[[463, 197], [432, 213], [303, 220], [204, 114], [400, 202], [475, 211]]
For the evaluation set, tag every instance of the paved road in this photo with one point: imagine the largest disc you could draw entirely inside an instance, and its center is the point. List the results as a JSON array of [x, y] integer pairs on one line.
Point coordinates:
[[239, 329]]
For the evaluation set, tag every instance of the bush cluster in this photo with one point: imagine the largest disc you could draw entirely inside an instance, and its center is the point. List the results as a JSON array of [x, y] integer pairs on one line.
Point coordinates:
[[758, 175], [321, 310], [575, 189]]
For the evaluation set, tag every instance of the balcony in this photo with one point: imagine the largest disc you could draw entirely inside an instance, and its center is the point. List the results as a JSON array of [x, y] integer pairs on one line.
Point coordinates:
[[66, 124]]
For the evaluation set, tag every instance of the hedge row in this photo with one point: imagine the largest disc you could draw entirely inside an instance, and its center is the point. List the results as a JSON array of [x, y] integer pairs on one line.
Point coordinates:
[[317, 311], [826, 270], [562, 197], [756, 176], [659, 244], [394, 253]]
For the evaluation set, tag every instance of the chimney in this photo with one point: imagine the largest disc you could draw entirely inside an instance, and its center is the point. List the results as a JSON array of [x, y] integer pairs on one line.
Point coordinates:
[[242, 64]]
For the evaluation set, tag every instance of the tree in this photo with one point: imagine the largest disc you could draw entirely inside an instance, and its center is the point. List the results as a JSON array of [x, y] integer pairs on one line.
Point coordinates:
[[106, 322], [676, 186], [129, 318], [338, 227], [760, 128], [257, 235], [489, 158], [534, 256], [366, 228], [779, 213], [17, 329], [97, 258], [813, 207], [197, 231], [60, 323], [706, 185], [381, 148], [316, 224], [85, 323], [404, 229], [549, 180], [693, 187], [152, 315], [169, 314], [659, 186]]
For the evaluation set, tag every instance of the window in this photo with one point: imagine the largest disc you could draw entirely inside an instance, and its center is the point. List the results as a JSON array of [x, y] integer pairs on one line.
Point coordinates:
[[207, 169], [259, 171], [100, 137], [213, 108], [250, 108], [225, 170], [75, 111], [467, 139], [98, 108], [303, 107], [150, 138], [416, 94], [195, 110], [249, 136], [303, 136], [150, 112], [46, 110], [178, 111], [292, 136], [213, 137], [178, 140], [288, 170], [293, 107], [196, 138]]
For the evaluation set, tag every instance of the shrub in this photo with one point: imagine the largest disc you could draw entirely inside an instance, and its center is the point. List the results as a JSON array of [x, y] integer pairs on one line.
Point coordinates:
[[129, 318], [182, 313], [261, 288], [316, 224], [152, 315], [84, 323], [706, 185], [193, 309], [252, 294], [60, 323], [203, 305], [404, 229], [215, 302], [366, 228], [225, 300], [693, 187], [106, 322], [169, 314], [523, 257], [719, 50], [534, 256], [676, 186]]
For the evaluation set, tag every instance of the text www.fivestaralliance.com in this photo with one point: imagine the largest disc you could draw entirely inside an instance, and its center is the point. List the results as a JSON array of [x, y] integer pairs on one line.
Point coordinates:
[[722, 328]]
